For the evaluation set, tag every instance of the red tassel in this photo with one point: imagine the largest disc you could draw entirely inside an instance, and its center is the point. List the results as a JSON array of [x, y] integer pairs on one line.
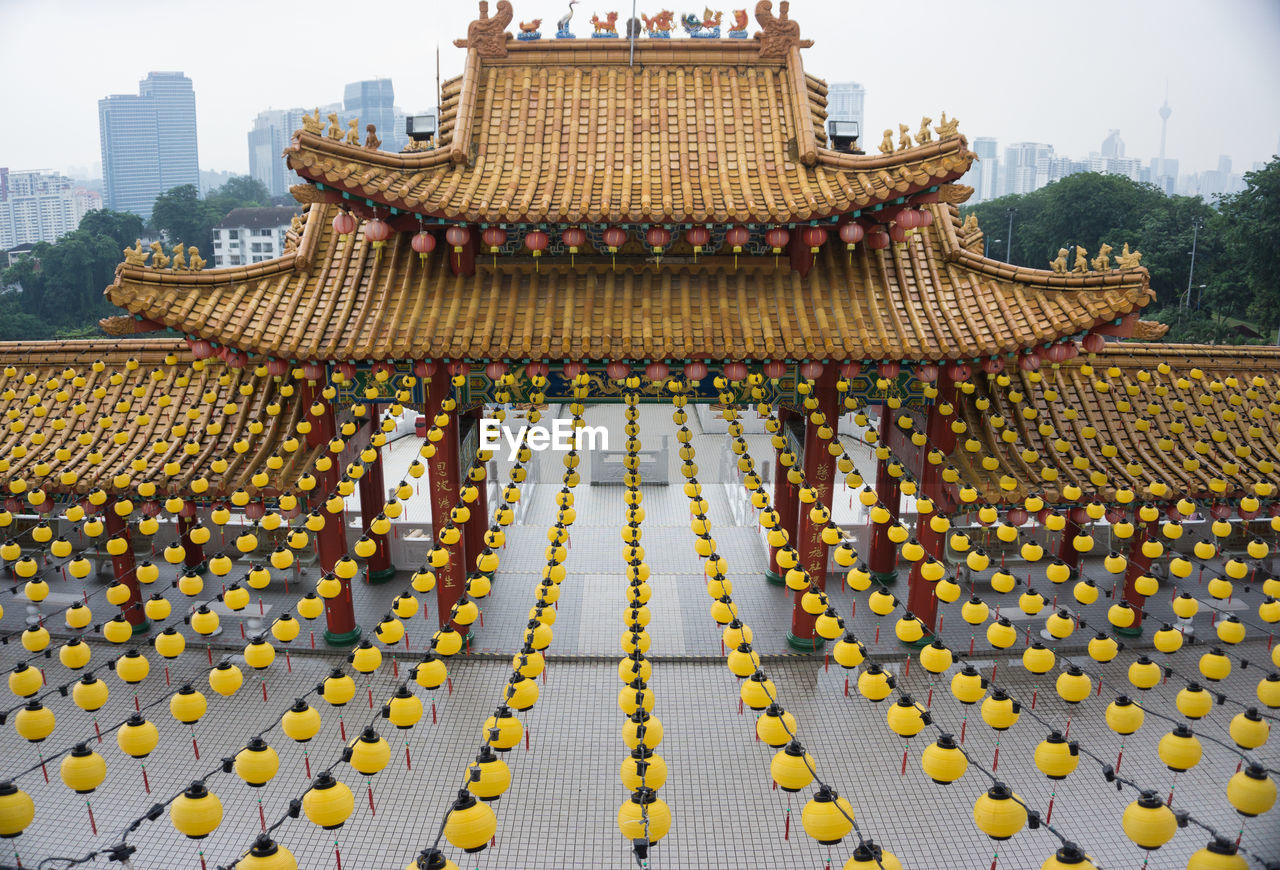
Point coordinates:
[[195, 747], [1048, 817], [264, 691], [433, 712], [904, 763], [996, 761], [337, 856], [146, 783], [307, 761], [786, 830], [262, 816], [526, 740], [372, 811], [342, 729], [166, 676], [93, 824], [408, 764]]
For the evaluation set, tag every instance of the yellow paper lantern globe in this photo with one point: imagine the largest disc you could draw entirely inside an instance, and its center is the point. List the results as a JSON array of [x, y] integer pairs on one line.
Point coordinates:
[[16, 810], [827, 817], [328, 803], [870, 856], [1220, 854], [1249, 730], [1144, 673], [74, 654], [471, 823], [137, 737], [267, 854], [310, 606], [1148, 822], [187, 705], [999, 813], [1179, 749], [1251, 792], [1103, 647], [1269, 686], [1214, 665], [943, 761], [24, 680], [89, 693], [792, 768], [1056, 757], [226, 679], [301, 722], [1123, 716], [256, 763], [338, 688], [82, 770]]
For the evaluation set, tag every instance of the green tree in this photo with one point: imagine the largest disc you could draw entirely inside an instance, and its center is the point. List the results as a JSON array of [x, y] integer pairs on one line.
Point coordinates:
[[1253, 240], [182, 217], [240, 191], [122, 226]]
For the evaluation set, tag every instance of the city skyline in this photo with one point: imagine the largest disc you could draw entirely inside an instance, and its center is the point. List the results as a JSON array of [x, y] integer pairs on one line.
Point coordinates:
[[1037, 89]]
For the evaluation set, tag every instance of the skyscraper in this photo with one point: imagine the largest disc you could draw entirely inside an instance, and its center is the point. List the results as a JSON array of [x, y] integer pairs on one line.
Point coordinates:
[[373, 102], [148, 142], [1020, 162], [271, 132], [40, 206], [985, 172], [1113, 145], [845, 103]]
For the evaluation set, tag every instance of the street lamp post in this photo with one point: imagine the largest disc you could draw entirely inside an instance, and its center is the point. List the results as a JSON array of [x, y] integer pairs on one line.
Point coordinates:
[[1196, 224], [986, 251], [1009, 247]]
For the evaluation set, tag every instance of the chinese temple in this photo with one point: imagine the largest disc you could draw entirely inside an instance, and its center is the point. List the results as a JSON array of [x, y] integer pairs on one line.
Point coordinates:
[[643, 220]]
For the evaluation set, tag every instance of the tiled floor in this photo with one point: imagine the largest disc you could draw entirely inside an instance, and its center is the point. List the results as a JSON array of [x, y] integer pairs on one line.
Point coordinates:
[[560, 809]]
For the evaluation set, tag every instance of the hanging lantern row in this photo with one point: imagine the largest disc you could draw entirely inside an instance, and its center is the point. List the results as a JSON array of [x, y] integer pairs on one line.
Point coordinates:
[[878, 235]]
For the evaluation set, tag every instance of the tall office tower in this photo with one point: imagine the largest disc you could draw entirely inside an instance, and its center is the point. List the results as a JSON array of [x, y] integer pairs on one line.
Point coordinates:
[[148, 142], [985, 173], [845, 102], [373, 102]]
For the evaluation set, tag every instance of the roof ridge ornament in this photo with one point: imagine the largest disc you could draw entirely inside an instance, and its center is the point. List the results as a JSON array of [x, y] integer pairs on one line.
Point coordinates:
[[488, 36], [778, 34]]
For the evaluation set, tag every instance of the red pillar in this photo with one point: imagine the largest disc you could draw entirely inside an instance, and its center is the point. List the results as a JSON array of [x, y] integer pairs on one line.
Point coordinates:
[[1066, 548], [820, 472], [373, 495], [123, 568], [193, 558], [920, 598], [785, 501], [1138, 565], [331, 541], [443, 476], [473, 531], [883, 559]]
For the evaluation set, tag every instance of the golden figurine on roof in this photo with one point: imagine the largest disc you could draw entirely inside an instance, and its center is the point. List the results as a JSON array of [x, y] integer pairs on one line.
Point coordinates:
[[1128, 260], [1059, 263], [1102, 262]]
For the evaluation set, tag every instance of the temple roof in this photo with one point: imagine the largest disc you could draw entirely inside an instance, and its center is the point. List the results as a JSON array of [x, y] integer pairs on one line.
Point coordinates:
[[569, 130], [1189, 461], [164, 369], [334, 299]]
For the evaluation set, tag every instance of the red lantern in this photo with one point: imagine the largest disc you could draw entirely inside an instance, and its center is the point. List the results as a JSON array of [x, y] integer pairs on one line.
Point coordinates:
[[1078, 515], [347, 370], [1029, 361], [494, 237], [573, 239], [775, 369], [698, 237], [657, 371], [1115, 515], [537, 370], [658, 238], [617, 370], [1220, 511], [777, 239], [236, 359], [377, 231], [851, 233], [423, 243], [537, 241], [313, 371], [695, 371], [898, 233], [815, 237], [344, 224], [201, 348], [877, 239], [851, 370], [277, 367], [737, 236], [993, 365], [254, 510], [889, 369], [150, 508], [1056, 353], [1094, 343], [457, 236], [735, 371], [459, 367], [614, 238], [908, 219], [1247, 515], [959, 372], [927, 372], [924, 218], [573, 369], [811, 370], [424, 368], [495, 370], [1017, 516]]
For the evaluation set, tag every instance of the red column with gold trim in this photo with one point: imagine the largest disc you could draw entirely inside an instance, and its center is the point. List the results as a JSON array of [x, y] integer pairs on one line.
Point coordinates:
[[193, 553], [124, 569], [785, 501], [1138, 565], [883, 558], [373, 495], [820, 472], [444, 478], [921, 600], [331, 541]]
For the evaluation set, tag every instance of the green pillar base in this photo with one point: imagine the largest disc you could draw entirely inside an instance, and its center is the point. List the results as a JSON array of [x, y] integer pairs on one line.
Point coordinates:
[[805, 644], [202, 568], [142, 627], [918, 644], [1129, 631], [774, 579], [884, 578], [346, 638], [382, 576]]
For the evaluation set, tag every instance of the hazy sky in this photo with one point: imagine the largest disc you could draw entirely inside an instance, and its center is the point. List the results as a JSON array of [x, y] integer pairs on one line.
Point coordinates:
[[1018, 70]]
